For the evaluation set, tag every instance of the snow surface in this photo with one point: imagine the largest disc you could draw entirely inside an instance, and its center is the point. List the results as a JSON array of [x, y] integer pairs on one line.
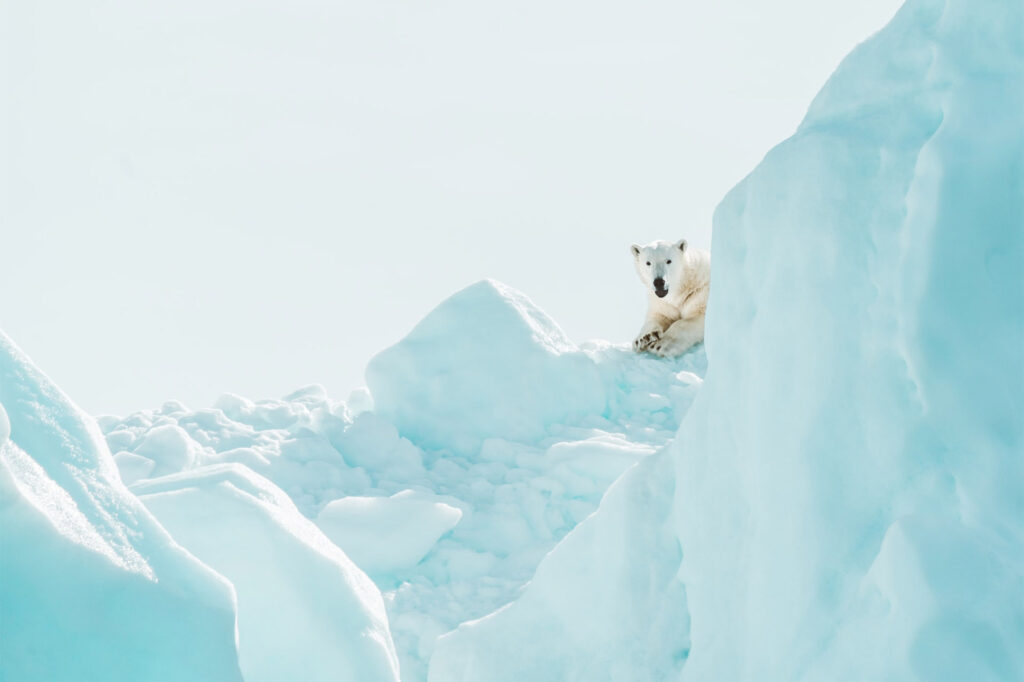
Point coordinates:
[[387, 534], [486, 435], [450, 404], [842, 500]]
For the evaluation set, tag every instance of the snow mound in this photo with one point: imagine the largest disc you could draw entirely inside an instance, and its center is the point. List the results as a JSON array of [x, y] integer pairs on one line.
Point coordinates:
[[387, 534], [91, 586], [304, 610], [430, 385], [169, 448]]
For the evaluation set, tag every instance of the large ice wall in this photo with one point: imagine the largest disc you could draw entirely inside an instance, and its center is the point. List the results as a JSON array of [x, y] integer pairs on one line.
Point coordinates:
[[91, 586], [850, 480]]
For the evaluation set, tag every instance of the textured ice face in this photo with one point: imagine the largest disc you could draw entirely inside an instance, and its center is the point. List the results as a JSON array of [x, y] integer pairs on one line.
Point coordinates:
[[91, 586], [659, 265], [868, 272]]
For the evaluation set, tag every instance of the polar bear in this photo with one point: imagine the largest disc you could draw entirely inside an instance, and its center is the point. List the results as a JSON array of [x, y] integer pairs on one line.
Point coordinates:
[[678, 280]]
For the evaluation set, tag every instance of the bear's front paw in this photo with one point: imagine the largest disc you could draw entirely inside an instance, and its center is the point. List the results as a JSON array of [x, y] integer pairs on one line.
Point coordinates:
[[645, 341]]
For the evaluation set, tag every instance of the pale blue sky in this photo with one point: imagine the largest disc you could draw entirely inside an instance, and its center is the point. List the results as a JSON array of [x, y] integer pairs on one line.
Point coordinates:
[[249, 196]]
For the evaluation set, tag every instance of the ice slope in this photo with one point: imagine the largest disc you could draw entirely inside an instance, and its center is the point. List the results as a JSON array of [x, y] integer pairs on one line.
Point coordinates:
[[91, 586], [848, 483], [446, 502], [305, 612], [873, 265]]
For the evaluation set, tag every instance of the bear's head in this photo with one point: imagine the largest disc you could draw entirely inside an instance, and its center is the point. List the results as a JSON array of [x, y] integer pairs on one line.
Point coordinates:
[[660, 265]]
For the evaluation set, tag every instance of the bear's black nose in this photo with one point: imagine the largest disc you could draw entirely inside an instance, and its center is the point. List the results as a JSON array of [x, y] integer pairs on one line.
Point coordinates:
[[659, 283]]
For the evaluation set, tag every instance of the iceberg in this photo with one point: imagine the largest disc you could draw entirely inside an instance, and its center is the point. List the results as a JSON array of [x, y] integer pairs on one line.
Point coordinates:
[[91, 586]]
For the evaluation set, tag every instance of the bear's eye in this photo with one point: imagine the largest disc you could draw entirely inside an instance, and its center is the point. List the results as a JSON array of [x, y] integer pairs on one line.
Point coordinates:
[[648, 262], [668, 262]]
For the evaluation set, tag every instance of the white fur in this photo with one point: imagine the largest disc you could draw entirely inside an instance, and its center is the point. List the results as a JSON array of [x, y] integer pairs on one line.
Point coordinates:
[[674, 322]]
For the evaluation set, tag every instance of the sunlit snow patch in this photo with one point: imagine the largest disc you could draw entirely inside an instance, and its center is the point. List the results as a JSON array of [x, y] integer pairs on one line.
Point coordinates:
[[486, 363], [387, 534]]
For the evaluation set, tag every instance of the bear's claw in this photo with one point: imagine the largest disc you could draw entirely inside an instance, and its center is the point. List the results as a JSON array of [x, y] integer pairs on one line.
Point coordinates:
[[645, 341]]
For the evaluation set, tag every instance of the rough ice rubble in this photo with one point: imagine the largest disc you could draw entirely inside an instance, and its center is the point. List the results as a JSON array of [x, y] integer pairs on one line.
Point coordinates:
[[91, 586], [511, 488], [848, 482], [604, 604]]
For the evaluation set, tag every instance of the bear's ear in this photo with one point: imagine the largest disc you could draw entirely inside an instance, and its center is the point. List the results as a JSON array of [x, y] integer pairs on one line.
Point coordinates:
[[635, 249], [681, 244]]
